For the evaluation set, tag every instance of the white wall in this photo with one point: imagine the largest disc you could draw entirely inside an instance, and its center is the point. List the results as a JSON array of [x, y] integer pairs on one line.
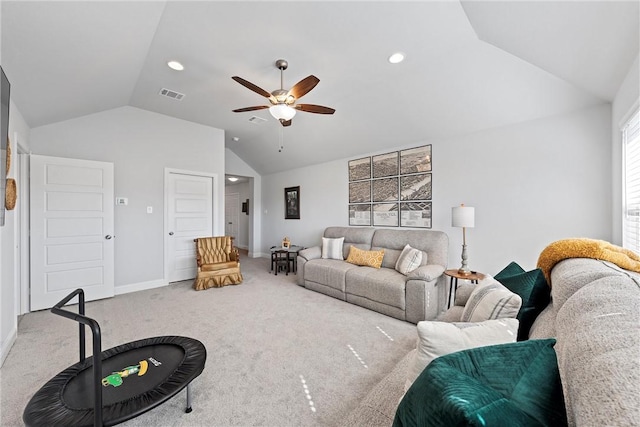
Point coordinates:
[[531, 184], [141, 144], [9, 242], [626, 101]]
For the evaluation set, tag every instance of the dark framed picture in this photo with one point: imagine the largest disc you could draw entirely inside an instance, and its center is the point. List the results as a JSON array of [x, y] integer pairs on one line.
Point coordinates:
[[385, 190], [245, 207], [360, 192], [385, 214], [415, 214], [360, 169], [360, 214], [385, 165], [415, 160], [292, 203], [415, 187]]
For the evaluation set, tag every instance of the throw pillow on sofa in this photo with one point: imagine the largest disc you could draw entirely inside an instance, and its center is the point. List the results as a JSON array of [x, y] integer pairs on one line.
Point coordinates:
[[366, 258], [332, 248], [436, 339], [491, 300], [514, 384], [532, 288], [409, 260]]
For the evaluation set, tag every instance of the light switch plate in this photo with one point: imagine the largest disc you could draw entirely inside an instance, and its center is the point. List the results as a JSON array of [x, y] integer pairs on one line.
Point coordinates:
[[149, 209], [122, 201]]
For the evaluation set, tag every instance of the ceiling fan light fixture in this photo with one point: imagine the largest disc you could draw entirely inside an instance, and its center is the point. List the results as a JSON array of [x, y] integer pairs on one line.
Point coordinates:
[[282, 112]]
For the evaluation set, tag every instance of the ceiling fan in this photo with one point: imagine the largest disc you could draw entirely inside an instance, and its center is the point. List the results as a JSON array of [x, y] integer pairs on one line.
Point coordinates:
[[283, 103]]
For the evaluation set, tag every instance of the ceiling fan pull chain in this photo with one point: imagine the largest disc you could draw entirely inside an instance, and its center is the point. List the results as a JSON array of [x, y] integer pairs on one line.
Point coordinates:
[[281, 140]]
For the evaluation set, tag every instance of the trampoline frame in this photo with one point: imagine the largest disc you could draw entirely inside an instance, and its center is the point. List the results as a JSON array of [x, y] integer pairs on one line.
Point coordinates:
[[97, 346]]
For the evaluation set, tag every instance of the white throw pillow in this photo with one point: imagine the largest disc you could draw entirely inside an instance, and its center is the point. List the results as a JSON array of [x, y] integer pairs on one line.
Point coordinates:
[[409, 260], [332, 248], [490, 300], [436, 339]]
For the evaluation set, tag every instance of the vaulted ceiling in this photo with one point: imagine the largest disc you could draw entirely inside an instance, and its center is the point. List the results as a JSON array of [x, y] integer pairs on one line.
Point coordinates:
[[470, 65]]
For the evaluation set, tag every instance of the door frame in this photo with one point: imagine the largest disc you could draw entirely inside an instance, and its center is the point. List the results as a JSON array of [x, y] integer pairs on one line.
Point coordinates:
[[215, 213]]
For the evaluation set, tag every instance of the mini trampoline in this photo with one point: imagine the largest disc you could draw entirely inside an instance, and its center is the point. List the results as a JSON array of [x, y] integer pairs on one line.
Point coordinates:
[[126, 381]]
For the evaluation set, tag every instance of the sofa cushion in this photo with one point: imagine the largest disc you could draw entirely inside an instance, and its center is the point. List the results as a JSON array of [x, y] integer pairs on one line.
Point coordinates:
[[518, 382], [532, 288], [365, 258], [359, 237], [491, 300], [329, 272], [409, 260], [332, 248], [435, 244], [436, 339], [383, 285]]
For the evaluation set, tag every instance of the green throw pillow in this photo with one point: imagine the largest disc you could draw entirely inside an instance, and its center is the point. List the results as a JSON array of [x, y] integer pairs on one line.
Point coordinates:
[[532, 288], [516, 384]]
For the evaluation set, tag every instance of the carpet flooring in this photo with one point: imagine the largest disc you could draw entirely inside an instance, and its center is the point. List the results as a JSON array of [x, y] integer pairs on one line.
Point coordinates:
[[277, 354]]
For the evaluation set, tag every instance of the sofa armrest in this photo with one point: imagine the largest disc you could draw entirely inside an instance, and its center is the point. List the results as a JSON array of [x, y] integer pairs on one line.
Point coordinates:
[[311, 253], [426, 272]]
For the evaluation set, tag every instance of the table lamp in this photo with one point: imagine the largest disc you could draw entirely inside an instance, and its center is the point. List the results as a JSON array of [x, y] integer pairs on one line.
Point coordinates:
[[463, 216]]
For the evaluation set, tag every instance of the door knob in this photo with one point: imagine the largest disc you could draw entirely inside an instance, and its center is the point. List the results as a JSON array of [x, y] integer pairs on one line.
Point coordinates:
[[171, 233], [108, 237]]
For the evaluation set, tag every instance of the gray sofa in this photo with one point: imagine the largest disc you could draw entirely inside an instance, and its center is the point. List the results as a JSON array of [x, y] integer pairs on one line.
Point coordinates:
[[594, 316], [418, 296]]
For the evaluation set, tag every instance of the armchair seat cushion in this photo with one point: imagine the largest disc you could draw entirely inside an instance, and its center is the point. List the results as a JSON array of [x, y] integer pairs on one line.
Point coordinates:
[[220, 266]]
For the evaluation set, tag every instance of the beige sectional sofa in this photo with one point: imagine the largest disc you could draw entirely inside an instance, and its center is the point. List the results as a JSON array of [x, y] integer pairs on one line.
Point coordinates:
[[594, 315], [417, 296]]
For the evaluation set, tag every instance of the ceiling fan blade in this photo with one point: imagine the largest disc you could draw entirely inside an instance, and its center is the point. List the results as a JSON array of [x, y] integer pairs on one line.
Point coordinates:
[[285, 123], [311, 108], [242, 110], [304, 86], [252, 87]]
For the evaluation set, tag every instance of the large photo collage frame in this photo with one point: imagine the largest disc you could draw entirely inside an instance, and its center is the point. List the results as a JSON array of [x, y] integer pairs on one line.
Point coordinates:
[[392, 189]]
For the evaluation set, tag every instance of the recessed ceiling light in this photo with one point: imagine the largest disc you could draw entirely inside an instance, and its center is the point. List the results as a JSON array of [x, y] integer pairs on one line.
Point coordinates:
[[232, 179], [396, 58], [175, 65]]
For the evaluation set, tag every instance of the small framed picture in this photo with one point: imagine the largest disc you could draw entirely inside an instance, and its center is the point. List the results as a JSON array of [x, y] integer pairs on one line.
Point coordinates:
[[360, 169], [385, 214], [385, 165], [292, 203], [415, 160], [360, 192], [415, 214], [415, 187], [360, 214]]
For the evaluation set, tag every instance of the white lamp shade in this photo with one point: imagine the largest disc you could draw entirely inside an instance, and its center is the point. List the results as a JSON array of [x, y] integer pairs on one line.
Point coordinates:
[[282, 111], [463, 216]]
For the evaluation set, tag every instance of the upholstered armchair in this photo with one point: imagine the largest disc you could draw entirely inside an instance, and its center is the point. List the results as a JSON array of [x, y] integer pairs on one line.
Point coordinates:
[[218, 263]]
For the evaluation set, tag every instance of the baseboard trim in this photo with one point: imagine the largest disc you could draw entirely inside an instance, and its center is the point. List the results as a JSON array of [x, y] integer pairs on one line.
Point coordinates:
[[7, 344], [142, 286]]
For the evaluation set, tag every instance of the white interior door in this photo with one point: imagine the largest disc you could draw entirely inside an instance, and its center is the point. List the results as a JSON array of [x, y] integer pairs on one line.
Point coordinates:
[[71, 209], [189, 215], [231, 215]]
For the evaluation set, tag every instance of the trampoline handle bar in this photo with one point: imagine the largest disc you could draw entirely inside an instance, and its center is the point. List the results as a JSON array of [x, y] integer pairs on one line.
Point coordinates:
[[97, 346]]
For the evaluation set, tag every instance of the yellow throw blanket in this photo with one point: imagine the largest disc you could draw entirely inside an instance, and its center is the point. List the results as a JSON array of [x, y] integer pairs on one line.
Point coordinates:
[[586, 248]]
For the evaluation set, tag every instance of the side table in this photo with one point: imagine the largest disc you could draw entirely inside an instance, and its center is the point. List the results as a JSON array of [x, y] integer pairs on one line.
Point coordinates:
[[474, 276]]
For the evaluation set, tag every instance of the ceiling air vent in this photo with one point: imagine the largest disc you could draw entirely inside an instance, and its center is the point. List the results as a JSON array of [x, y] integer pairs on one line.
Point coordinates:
[[257, 120], [172, 94]]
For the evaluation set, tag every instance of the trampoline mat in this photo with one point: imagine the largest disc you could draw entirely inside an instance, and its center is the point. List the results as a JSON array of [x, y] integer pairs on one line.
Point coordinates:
[[139, 376]]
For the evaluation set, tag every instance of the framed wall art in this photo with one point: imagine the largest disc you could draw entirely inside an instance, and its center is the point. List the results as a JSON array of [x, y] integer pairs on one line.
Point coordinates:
[[415, 214], [392, 189], [292, 203], [385, 214], [385, 165], [360, 214], [415, 160], [360, 192], [360, 169]]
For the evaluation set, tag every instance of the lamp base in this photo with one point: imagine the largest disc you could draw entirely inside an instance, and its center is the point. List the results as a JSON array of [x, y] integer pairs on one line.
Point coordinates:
[[464, 272]]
